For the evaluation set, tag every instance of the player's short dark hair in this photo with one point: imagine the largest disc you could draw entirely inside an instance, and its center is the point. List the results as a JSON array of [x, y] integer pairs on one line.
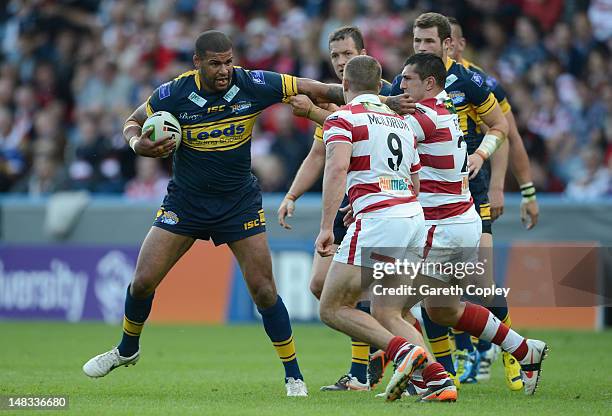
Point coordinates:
[[429, 20], [345, 32], [428, 65], [454, 22], [212, 41], [363, 73]]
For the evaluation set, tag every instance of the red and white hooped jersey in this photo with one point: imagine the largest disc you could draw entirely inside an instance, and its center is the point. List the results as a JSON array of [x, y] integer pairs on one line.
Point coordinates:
[[383, 157], [445, 192]]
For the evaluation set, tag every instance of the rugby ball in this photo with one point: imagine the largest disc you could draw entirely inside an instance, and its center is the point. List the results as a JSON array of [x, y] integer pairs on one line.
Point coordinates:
[[163, 124]]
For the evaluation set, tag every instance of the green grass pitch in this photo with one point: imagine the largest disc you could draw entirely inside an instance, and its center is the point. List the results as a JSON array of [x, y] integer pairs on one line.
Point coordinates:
[[233, 370]]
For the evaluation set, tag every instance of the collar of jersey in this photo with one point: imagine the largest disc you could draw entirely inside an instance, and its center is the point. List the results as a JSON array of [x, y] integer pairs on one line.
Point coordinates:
[[466, 63], [441, 96], [366, 98], [449, 62]]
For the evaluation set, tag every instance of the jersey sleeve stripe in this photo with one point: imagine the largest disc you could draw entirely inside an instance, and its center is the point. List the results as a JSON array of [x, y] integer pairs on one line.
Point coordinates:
[[289, 85], [438, 162], [283, 85], [318, 133], [337, 122], [359, 163], [441, 187], [487, 106], [505, 106], [415, 168], [337, 138], [149, 108]]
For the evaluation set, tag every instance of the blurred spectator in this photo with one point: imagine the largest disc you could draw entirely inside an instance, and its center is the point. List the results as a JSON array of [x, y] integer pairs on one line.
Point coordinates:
[[100, 86], [11, 144], [270, 172], [290, 144], [600, 15], [90, 148], [292, 19], [47, 175], [71, 72], [592, 180], [150, 181], [261, 44], [546, 12], [344, 13], [525, 49]]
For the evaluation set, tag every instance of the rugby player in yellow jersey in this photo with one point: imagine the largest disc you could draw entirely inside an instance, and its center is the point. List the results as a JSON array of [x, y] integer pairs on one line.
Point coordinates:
[[519, 163], [212, 194]]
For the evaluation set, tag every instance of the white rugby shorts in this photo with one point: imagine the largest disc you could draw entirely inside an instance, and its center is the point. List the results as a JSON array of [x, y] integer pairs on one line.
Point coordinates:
[[393, 235], [454, 243]]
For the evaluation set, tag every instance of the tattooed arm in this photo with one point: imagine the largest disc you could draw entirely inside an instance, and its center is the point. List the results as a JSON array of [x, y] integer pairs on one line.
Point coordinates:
[[319, 92]]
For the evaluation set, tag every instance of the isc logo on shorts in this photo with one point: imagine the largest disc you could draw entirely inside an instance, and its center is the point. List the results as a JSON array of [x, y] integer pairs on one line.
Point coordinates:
[[261, 221]]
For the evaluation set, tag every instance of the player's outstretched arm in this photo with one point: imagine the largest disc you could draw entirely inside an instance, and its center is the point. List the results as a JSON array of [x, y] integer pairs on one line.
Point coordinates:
[[139, 140], [338, 156], [306, 176], [303, 106], [521, 169], [319, 92]]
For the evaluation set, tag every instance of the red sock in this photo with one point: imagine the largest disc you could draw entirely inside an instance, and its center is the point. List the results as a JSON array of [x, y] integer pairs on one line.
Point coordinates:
[[434, 374], [394, 346], [481, 323]]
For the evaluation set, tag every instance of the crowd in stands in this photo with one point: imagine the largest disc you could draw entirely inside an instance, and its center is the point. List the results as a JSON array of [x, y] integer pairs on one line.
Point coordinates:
[[72, 71]]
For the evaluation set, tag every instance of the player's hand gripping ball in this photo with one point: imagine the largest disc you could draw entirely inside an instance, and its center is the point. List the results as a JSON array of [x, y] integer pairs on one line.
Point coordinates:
[[163, 124]]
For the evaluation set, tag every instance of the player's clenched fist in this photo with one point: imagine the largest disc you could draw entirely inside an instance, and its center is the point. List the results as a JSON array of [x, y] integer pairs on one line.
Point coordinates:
[[301, 105], [144, 146], [324, 243]]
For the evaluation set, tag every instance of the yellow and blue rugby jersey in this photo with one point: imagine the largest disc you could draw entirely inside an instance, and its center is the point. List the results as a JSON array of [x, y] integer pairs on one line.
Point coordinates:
[[385, 90], [494, 85], [215, 153], [471, 96]]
